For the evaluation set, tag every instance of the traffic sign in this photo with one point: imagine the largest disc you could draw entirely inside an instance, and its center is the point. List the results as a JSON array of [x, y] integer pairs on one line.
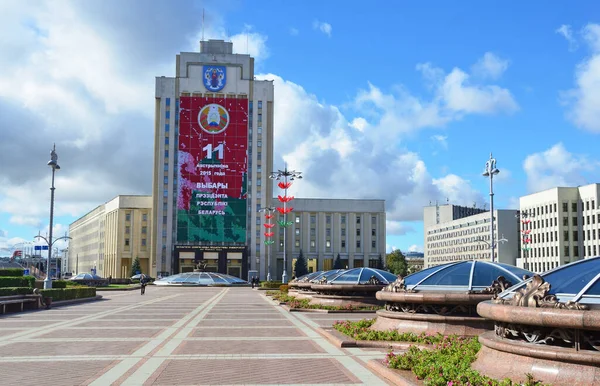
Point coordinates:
[[25, 272]]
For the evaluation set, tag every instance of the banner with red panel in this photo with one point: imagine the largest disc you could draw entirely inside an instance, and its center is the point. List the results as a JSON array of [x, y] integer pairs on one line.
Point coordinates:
[[211, 201]]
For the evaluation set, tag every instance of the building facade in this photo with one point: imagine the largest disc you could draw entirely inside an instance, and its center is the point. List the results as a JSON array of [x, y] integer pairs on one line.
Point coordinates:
[[560, 225], [213, 153], [452, 234], [111, 236], [324, 228]]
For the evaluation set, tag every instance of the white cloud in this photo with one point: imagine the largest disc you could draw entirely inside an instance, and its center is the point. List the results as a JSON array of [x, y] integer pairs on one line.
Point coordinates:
[[323, 27], [442, 140], [390, 248], [583, 101], [556, 167], [566, 32], [513, 203], [490, 66], [415, 248], [294, 31], [251, 43]]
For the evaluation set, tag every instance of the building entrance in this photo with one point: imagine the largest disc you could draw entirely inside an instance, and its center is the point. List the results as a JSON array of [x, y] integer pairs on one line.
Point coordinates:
[[230, 260]]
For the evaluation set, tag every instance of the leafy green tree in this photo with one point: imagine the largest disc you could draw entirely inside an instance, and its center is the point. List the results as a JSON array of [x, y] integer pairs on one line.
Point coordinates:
[[135, 267], [337, 263], [396, 263], [301, 269]]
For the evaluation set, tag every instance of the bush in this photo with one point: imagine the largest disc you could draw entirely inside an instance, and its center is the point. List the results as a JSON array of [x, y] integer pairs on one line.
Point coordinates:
[[58, 294], [11, 291], [360, 330], [59, 284], [284, 288], [70, 283], [17, 281], [11, 272], [270, 284]]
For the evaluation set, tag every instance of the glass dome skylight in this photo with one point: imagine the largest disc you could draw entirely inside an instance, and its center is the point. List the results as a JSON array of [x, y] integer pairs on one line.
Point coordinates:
[[307, 277], [362, 276], [326, 275], [200, 279], [578, 281], [463, 276]]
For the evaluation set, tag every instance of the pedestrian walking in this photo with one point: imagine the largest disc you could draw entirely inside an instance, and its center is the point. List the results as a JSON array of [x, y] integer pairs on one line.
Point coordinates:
[[252, 281], [143, 282]]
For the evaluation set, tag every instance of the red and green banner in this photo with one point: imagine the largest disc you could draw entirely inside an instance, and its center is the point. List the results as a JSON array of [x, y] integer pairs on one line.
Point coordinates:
[[212, 170]]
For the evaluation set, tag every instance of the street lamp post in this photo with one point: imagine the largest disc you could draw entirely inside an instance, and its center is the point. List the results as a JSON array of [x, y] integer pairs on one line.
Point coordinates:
[[524, 217], [490, 171], [502, 240], [53, 163], [269, 233], [287, 176]]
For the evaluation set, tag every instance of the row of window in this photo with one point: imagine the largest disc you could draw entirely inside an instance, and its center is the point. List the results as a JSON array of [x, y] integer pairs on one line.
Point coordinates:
[[128, 217], [127, 243], [464, 232], [313, 244]]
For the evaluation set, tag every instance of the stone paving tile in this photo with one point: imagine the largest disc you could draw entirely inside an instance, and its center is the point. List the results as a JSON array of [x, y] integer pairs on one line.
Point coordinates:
[[273, 332], [137, 316], [9, 332], [116, 323], [52, 373], [69, 333], [242, 316], [41, 348], [248, 347], [245, 322], [251, 371]]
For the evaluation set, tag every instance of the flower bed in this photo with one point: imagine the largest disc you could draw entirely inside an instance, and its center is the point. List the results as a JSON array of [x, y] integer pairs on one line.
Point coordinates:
[[360, 330], [295, 303], [448, 364]]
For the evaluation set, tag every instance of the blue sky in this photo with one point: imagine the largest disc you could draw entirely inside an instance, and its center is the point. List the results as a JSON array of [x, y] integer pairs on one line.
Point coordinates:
[[400, 101]]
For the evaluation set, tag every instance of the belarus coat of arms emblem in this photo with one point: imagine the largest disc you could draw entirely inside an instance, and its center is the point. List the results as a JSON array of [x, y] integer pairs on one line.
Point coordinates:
[[213, 118], [214, 77]]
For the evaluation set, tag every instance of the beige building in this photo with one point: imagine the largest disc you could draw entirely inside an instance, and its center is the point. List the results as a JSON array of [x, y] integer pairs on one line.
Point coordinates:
[[172, 250], [322, 228], [563, 225], [111, 236], [455, 233]]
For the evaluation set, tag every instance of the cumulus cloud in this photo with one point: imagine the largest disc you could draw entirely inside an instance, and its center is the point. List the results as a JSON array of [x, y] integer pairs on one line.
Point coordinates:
[[583, 101], [323, 27], [566, 32], [251, 43], [415, 248], [557, 167], [490, 66]]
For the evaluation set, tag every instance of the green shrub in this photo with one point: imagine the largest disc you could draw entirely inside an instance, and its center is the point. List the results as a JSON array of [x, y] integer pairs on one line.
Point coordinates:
[[58, 294], [270, 284], [59, 284], [73, 284], [284, 288], [17, 281], [11, 272], [360, 330], [11, 291]]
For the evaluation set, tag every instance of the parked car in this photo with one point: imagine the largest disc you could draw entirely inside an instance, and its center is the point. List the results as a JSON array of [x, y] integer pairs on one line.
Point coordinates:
[[90, 279]]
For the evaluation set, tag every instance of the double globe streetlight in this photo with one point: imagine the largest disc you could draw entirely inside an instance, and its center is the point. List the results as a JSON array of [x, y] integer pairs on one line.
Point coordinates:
[[490, 171]]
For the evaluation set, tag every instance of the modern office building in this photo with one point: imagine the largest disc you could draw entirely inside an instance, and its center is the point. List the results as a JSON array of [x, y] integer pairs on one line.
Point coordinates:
[[563, 226], [213, 152], [324, 228], [111, 236], [454, 233]]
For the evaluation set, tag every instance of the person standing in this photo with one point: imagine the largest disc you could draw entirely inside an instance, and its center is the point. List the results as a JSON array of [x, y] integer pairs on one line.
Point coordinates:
[[143, 282], [252, 281]]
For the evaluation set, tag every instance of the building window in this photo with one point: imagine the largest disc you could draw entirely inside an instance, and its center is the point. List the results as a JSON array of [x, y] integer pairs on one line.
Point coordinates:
[[357, 243], [313, 219], [312, 243], [565, 207], [328, 232], [297, 219], [373, 244], [343, 243], [297, 231], [575, 251], [343, 231], [565, 235], [126, 242], [127, 216], [259, 130], [167, 127], [166, 140], [573, 207], [143, 242], [565, 221], [373, 232], [297, 243], [575, 236], [127, 230], [358, 232], [373, 220], [328, 244], [259, 118], [145, 217], [575, 221], [328, 219], [165, 193], [260, 104], [358, 219], [555, 208], [258, 143], [344, 219], [144, 230]]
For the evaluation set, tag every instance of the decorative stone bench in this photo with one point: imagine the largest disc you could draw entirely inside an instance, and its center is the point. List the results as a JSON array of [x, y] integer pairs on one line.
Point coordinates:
[[21, 300]]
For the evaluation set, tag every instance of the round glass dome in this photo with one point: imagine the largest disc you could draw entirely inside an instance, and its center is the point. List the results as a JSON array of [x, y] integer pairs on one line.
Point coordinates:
[[362, 276], [463, 276], [326, 275], [200, 279], [307, 277], [578, 281]]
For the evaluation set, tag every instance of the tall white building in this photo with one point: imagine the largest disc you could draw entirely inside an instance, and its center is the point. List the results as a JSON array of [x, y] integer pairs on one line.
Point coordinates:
[[213, 153], [457, 233], [563, 225]]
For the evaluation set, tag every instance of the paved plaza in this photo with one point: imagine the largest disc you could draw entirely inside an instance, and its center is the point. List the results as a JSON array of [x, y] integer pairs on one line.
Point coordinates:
[[178, 336]]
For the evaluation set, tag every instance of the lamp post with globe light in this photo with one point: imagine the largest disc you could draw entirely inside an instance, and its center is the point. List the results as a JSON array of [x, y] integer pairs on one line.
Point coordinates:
[[287, 176], [490, 171]]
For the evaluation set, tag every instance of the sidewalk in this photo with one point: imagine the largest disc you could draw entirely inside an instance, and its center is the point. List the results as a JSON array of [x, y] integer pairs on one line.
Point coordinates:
[[177, 336]]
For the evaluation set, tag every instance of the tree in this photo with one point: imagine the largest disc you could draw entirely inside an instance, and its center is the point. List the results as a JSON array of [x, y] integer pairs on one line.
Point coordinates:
[[301, 269], [396, 263], [135, 267], [337, 263], [380, 264]]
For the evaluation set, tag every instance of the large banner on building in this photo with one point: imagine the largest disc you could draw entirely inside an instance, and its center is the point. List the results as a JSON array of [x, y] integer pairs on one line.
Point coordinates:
[[211, 201]]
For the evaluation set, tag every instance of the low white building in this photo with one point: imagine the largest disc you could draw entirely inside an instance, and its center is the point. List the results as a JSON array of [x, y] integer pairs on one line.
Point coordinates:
[[563, 225], [455, 233]]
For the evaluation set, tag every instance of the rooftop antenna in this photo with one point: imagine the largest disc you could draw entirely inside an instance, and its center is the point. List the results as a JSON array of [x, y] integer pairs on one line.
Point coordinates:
[[202, 24], [447, 200]]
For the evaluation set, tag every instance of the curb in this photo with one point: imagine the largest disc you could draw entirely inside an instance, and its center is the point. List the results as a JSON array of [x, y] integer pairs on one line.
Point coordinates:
[[342, 340], [397, 377], [321, 311], [74, 301]]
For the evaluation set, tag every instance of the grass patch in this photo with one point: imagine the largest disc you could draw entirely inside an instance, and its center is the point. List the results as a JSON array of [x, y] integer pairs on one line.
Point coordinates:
[[295, 303], [360, 330], [121, 285], [448, 364]]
